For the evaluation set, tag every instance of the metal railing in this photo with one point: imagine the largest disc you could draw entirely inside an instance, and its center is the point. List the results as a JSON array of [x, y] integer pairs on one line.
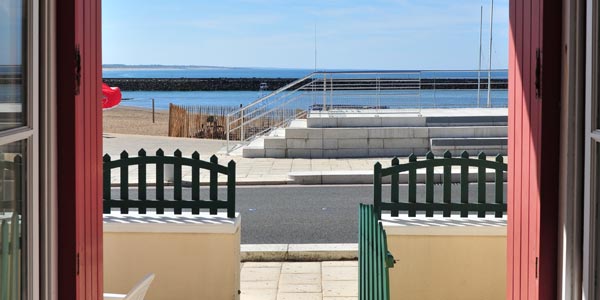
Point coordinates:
[[360, 91]]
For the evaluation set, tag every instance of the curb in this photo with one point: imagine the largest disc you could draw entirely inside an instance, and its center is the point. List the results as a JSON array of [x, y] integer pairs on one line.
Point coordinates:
[[221, 183], [366, 177], [298, 252]]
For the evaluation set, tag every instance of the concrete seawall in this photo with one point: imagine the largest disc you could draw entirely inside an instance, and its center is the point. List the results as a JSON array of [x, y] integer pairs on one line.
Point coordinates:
[[253, 84]]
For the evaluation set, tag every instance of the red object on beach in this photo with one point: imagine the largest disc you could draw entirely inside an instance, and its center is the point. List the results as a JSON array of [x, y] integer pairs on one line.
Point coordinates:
[[111, 96]]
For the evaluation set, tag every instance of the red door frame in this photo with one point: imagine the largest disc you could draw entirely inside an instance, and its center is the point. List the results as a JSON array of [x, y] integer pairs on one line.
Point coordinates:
[[79, 142], [534, 143]]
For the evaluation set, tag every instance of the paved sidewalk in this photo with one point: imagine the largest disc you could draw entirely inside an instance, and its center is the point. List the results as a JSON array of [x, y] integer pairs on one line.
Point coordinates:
[[248, 170], [327, 280]]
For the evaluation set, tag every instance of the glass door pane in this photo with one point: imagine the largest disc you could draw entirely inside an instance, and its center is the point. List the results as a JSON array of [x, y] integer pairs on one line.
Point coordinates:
[[13, 56], [13, 244]]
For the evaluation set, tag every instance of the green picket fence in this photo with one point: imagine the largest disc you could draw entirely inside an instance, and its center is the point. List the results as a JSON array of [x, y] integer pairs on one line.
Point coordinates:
[[374, 259], [10, 258], [447, 205], [11, 205], [160, 203]]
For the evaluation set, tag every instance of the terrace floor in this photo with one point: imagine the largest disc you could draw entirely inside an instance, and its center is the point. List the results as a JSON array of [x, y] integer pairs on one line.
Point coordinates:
[[328, 280]]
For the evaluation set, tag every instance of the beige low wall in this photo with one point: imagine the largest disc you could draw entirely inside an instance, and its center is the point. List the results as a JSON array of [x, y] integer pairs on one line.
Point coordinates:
[[193, 257], [447, 259]]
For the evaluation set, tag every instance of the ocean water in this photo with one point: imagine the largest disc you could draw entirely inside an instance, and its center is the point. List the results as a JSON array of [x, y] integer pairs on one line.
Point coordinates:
[[425, 98]]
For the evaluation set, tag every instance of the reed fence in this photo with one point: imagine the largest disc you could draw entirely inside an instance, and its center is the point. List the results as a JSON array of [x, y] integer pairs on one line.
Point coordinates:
[[209, 122]]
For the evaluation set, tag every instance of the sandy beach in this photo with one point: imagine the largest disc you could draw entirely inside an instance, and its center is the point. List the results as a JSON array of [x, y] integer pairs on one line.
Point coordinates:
[[134, 120]]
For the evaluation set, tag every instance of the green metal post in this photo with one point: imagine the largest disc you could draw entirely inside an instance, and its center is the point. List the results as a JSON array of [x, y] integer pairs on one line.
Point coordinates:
[[429, 184], [231, 189]]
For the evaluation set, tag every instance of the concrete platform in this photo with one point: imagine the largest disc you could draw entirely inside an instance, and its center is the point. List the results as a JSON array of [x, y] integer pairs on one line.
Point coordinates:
[[386, 133], [407, 118]]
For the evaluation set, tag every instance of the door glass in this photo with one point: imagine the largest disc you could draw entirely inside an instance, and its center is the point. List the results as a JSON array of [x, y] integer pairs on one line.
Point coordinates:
[[13, 243], [13, 55]]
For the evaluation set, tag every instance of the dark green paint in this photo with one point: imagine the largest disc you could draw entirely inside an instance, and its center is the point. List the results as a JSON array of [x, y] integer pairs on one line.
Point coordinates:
[[447, 206], [177, 204], [374, 259]]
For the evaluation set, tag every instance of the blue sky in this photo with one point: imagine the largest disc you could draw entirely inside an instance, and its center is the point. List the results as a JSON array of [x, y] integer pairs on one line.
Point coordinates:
[[10, 32], [351, 34]]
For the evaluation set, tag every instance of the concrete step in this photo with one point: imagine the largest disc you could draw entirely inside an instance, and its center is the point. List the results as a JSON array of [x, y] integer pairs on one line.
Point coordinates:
[[272, 142], [279, 132], [353, 118], [366, 177], [298, 252], [490, 145], [467, 121], [256, 149], [467, 131]]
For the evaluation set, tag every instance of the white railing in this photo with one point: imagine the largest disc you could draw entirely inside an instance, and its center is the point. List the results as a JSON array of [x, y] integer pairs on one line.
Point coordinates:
[[398, 91]]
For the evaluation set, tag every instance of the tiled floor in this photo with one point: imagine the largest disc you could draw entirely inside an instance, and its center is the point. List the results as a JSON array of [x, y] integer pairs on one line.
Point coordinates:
[[330, 280]]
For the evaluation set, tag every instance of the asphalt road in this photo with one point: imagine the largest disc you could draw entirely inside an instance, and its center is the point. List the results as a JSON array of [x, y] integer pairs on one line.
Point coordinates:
[[301, 214]]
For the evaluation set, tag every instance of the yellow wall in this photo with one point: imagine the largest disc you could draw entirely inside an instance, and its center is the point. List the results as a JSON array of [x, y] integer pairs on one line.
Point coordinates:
[[448, 267], [187, 265]]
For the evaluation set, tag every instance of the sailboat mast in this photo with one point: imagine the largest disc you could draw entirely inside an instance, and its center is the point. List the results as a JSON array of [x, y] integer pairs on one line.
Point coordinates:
[[315, 47], [489, 100], [479, 61]]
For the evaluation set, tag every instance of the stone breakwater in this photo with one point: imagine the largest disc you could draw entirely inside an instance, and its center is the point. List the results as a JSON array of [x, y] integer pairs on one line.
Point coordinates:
[[196, 84], [253, 84]]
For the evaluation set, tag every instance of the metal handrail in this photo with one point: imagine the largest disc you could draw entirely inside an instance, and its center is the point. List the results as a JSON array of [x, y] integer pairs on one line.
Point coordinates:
[[260, 100], [341, 90]]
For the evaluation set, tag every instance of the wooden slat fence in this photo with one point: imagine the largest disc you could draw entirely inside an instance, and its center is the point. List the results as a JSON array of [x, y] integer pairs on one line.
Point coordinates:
[[448, 204], [210, 122], [198, 121], [160, 202]]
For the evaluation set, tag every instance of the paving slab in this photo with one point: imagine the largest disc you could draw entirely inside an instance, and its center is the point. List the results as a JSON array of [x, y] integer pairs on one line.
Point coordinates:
[[340, 283]]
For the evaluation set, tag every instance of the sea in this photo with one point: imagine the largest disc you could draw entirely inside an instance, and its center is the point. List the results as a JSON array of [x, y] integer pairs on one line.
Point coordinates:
[[162, 99]]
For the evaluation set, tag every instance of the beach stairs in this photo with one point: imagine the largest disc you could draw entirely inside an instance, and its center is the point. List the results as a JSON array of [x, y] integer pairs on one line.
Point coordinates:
[[356, 134], [257, 147]]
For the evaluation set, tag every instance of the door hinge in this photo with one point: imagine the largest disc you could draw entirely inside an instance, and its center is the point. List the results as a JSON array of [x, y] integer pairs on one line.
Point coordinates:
[[536, 267], [538, 73], [77, 69], [77, 264]]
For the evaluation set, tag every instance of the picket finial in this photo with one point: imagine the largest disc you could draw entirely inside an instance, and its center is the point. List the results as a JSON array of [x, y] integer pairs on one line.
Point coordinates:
[[447, 154]]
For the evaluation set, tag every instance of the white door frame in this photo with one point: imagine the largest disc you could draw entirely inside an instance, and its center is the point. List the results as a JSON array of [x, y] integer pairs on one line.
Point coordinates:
[[592, 136], [571, 150], [47, 156]]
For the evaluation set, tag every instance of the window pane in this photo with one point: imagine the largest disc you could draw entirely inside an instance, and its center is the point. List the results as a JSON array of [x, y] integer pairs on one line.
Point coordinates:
[[13, 242], [13, 56]]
